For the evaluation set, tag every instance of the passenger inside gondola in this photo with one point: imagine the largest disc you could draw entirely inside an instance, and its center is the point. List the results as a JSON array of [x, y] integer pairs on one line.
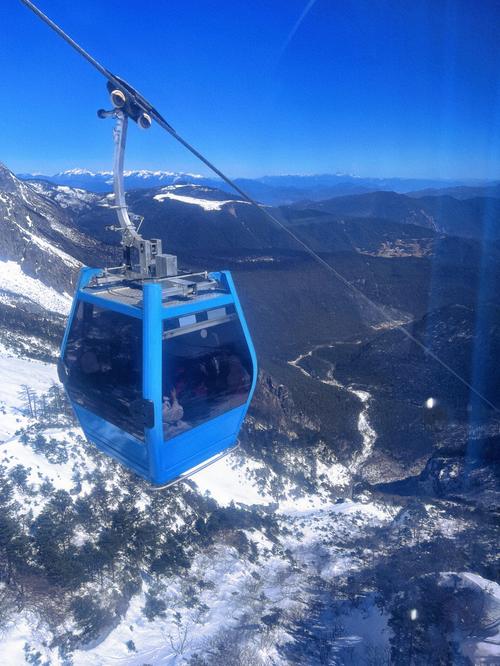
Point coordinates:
[[208, 369], [172, 413]]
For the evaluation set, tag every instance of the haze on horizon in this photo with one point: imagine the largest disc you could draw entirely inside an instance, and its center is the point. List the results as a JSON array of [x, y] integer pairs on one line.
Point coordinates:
[[298, 87]]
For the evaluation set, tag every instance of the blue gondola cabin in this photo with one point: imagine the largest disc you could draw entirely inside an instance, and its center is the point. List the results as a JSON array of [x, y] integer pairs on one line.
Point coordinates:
[[159, 373]]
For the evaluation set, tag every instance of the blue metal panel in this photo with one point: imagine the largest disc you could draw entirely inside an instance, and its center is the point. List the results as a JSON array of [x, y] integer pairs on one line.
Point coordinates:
[[152, 371], [197, 306], [190, 448], [194, 446], [112, 440], [108, 304]]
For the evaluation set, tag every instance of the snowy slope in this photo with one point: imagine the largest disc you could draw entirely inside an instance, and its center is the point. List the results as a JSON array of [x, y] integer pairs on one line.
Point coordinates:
[[206, 204], [236, 587], [14, 284], [484, 643], [231, 584], [73, 198], [15, 372], [38, 233]]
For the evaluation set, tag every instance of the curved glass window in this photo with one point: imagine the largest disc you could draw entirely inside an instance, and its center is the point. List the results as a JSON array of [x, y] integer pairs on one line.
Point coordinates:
[[103, 362], [207, 368]]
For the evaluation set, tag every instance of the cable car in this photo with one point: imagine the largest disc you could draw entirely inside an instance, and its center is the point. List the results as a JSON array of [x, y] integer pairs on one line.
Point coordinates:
[[159, 366], [159, 373]]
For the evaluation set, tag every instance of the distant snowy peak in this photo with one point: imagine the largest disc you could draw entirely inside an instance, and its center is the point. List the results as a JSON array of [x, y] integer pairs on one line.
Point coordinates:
[[102, 181], [77, 172], [275, 190], [140, 173], [163, 174]]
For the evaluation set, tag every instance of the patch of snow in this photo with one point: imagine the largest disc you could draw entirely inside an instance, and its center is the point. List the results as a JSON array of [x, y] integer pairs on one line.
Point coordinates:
[[368, 434], [48, 247], [17, 634], [206, 204], [365, 430], [14, 452], [336, 473], [14, 373], [14, 281], [227, 483], [44, 245], [482, 646]]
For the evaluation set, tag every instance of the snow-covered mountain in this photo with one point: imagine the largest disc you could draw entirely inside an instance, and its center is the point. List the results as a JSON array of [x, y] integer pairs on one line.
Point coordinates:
[[34, 233], [272, 190], [72, 198], [239, 563], [41, 251], [102, 181], [301, 548]]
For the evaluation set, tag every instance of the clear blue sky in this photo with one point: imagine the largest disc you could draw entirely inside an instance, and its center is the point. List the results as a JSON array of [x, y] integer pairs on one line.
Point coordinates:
[[372, 87]]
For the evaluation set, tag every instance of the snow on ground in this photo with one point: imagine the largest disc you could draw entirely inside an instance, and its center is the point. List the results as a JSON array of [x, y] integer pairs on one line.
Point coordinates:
[[14, 281], [482, 646], [368, 434], [231, 480], [338, 475], [66, 197], [235, 589], [365, 429], [206, 204], [165, 642], [15, 453], [73, 197], [14, 372], [375, 511], [15, 636], [234, 593], [227, 483], [48, 247], [29, 236]]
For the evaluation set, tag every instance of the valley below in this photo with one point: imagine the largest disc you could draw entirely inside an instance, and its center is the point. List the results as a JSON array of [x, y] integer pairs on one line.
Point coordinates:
[[356, 523]]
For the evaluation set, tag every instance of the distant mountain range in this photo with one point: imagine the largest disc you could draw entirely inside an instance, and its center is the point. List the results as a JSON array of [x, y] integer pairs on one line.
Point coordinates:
[[461, 192], [476, 217], [271, 190]]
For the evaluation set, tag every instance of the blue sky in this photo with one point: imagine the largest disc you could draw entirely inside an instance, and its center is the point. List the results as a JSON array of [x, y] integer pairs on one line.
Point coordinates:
[[375, 88]]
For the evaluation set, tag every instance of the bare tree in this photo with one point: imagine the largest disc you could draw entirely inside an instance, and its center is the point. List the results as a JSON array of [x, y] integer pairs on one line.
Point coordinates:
[[28, 399]]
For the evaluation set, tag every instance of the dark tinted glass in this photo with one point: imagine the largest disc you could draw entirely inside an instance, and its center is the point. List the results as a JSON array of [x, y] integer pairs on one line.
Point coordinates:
[[104, 363], [207, 368]]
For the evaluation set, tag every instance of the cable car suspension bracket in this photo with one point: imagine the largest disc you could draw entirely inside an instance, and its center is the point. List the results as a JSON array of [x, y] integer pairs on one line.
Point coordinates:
[[152, 262]]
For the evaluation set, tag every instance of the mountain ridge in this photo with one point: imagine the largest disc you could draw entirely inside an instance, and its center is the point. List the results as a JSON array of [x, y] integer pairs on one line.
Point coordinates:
[[271, 190]]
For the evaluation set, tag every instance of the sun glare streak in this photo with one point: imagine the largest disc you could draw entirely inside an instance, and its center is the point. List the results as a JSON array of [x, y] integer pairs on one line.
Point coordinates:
[[295, 28]]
